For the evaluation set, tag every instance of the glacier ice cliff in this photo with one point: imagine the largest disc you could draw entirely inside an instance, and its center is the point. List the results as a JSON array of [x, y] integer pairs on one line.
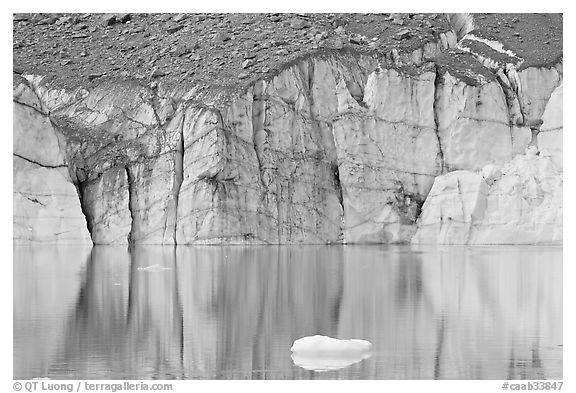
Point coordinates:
[[45, 201], [520, 203], [335, 148]]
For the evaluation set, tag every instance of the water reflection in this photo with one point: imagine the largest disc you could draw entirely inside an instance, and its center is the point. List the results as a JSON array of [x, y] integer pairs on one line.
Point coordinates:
[[234, 312]]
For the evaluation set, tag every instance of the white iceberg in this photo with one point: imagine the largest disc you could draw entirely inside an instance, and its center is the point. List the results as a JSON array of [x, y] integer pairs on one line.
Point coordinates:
[[322, 353]]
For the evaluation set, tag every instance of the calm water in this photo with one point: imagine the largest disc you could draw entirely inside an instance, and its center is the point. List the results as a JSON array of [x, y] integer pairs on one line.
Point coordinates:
[[234, 312]]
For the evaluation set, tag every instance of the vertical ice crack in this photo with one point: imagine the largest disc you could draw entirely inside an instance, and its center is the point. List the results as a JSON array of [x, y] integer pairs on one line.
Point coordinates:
[[258, 132], [179, 174], [510, 90], [131, 196], [435, 110], [87, 217], [467, 223], [335, 169], [338, 185]]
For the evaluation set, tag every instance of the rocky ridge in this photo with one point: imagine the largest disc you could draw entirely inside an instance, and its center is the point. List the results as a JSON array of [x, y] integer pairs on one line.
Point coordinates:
[[331, 144], [213, 50]]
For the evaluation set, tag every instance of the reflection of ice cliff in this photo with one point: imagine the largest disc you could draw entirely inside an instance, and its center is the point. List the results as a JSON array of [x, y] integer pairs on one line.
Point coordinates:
[[235, 312]]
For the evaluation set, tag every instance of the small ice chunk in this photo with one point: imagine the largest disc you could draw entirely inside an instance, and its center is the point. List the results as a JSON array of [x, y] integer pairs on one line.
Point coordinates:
[[322, 353], [330, 346]]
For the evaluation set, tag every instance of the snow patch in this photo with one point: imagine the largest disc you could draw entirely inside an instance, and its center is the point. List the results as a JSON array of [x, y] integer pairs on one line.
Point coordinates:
[[496, 45]]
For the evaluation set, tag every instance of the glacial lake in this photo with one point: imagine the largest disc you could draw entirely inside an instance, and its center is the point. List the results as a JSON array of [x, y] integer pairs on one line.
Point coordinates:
[[153, 312]]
